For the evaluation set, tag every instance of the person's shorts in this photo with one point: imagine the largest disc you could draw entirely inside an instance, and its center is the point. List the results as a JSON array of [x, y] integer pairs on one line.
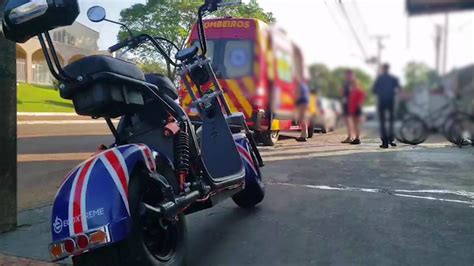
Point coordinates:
[[358, 112], [302, 101], [345, 110]]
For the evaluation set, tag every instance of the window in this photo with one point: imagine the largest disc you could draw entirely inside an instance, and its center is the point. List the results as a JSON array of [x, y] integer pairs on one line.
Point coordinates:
[[64, 37], [237, 59], [230, 58], [284, 68]]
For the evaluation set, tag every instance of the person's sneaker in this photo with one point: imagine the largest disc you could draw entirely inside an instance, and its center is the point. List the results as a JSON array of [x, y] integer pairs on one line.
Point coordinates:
[[301, 139], [393, 144], [347, 140], [384, 146], [355, 142]]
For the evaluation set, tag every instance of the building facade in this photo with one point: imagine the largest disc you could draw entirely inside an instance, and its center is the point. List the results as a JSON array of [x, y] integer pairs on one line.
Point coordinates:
[[72, 43]]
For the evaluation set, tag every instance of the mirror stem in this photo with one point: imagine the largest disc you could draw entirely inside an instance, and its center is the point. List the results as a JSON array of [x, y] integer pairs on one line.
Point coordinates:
[[121, 24]]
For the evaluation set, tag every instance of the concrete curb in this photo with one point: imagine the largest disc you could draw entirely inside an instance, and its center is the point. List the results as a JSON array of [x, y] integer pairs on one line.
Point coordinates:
[[44, 114]]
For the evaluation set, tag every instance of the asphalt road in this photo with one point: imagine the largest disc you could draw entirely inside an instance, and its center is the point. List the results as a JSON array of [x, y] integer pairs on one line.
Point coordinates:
[[326, 203]]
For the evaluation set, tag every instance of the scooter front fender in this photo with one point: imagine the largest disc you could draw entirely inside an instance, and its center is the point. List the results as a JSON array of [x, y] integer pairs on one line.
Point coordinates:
[[95, 193]]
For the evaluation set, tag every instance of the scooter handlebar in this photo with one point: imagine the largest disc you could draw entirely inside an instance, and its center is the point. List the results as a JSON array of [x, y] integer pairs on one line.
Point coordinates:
[[118, 46]]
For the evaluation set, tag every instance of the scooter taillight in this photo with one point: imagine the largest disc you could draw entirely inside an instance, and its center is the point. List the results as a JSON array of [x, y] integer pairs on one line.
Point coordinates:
[[80, 243], [69, 245]]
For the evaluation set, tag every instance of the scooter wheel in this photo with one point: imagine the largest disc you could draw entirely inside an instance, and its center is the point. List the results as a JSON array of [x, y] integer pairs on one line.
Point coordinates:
[[254, 191], [152, 242]]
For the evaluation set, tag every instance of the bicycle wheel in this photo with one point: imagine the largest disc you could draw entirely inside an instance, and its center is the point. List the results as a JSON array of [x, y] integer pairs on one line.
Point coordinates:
[[461, 131], [413, 130]]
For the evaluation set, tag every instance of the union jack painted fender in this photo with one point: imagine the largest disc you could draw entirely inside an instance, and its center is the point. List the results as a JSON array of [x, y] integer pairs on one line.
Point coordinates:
[[252, 173], [95, 193]]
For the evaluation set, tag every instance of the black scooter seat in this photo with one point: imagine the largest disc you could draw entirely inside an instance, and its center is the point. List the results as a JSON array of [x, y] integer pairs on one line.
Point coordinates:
[[218, 150], [236, 122]]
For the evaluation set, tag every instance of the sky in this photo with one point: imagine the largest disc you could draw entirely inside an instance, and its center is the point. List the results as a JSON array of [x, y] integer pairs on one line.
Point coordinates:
[[323, 32]]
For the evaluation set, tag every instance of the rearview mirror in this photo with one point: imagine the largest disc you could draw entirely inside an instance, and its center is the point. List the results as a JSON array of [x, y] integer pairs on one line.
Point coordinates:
[[24, 19], [96, 14]]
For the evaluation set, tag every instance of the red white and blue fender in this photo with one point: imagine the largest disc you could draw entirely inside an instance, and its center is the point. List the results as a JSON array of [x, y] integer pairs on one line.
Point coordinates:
[[95, 193], [252, 171]]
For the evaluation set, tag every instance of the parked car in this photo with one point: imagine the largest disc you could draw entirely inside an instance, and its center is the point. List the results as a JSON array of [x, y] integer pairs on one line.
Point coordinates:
[[370, 112], [326, 119]]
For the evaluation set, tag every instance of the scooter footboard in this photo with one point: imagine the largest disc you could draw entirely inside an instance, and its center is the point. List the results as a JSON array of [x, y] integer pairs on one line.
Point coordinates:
[[94, 197]]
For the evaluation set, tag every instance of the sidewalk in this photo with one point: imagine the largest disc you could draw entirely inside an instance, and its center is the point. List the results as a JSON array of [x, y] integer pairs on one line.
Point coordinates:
[[30, 239], [11, 260]]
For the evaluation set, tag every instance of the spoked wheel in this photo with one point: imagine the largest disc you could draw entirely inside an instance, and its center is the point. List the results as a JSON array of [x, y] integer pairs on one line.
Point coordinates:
[[461, 132], [412, 130], [459, 129], [153, 241]]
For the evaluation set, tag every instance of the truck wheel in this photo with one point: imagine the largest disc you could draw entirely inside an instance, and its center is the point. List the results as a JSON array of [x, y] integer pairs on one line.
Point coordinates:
[[310, 129], [254, 191], [269, 138], [152, 242]]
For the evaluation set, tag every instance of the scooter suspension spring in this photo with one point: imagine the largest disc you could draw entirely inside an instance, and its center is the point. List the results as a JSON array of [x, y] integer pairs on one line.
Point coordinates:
[[182, 156]]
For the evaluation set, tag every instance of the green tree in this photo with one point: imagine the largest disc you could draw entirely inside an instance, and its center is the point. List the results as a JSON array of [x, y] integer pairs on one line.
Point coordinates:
[[173, 20], [322, 80], [169, 19], [420, 75], [149, 68], [364, 79], [250, 10]]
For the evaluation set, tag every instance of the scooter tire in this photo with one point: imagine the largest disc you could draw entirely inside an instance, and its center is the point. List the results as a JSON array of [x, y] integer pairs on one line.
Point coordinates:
[[133, 250], [253, 193]]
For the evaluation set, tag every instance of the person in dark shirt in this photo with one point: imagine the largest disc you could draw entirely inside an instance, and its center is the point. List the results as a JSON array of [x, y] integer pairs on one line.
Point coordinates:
[[385, 88]]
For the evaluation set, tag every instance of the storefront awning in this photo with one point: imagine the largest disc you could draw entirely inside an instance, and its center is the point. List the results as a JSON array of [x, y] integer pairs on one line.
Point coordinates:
[[419, 7]]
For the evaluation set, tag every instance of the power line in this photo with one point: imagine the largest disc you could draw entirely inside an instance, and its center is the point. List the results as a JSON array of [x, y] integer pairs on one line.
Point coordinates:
[[354, 33], [361, 18], [334, 18]]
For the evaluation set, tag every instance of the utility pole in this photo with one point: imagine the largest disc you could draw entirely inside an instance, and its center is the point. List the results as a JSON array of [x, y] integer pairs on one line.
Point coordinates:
[[380, 46], [445, 42], [437, 39], [8, 187]]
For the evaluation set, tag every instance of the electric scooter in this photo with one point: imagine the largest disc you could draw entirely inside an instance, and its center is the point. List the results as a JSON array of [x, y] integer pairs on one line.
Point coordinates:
[[126, 204]]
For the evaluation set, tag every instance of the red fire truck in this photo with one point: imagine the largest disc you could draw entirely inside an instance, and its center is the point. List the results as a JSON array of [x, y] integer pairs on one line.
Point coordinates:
[[260, 70]]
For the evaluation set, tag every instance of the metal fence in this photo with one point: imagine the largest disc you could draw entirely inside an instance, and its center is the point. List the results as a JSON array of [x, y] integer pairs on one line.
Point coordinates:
[[21, 70], [41, 75]]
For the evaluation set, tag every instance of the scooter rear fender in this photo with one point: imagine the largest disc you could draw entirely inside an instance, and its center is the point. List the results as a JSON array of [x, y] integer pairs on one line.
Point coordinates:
[[95, 193]]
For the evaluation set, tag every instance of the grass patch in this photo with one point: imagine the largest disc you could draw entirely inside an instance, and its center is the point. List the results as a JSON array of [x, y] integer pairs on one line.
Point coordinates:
[[33, 98]]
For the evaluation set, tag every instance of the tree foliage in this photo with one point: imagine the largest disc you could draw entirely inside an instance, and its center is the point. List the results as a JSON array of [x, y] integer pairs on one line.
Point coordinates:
[[149, 68], [173, 20], [329, 82], [322, 80], [420, 75], [250, 10]]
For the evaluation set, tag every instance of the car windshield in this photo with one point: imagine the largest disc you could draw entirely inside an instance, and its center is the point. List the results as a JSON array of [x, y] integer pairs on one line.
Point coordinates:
[[230, 58]]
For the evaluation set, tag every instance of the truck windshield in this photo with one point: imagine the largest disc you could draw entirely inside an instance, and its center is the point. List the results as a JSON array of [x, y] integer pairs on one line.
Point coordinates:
[[230, 58]]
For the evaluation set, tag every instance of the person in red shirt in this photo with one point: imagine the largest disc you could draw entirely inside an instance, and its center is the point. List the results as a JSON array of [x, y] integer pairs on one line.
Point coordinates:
[[355, 103]]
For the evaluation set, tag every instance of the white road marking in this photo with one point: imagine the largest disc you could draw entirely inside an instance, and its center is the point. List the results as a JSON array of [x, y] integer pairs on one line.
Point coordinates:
[[470, 203], [396, 192]]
